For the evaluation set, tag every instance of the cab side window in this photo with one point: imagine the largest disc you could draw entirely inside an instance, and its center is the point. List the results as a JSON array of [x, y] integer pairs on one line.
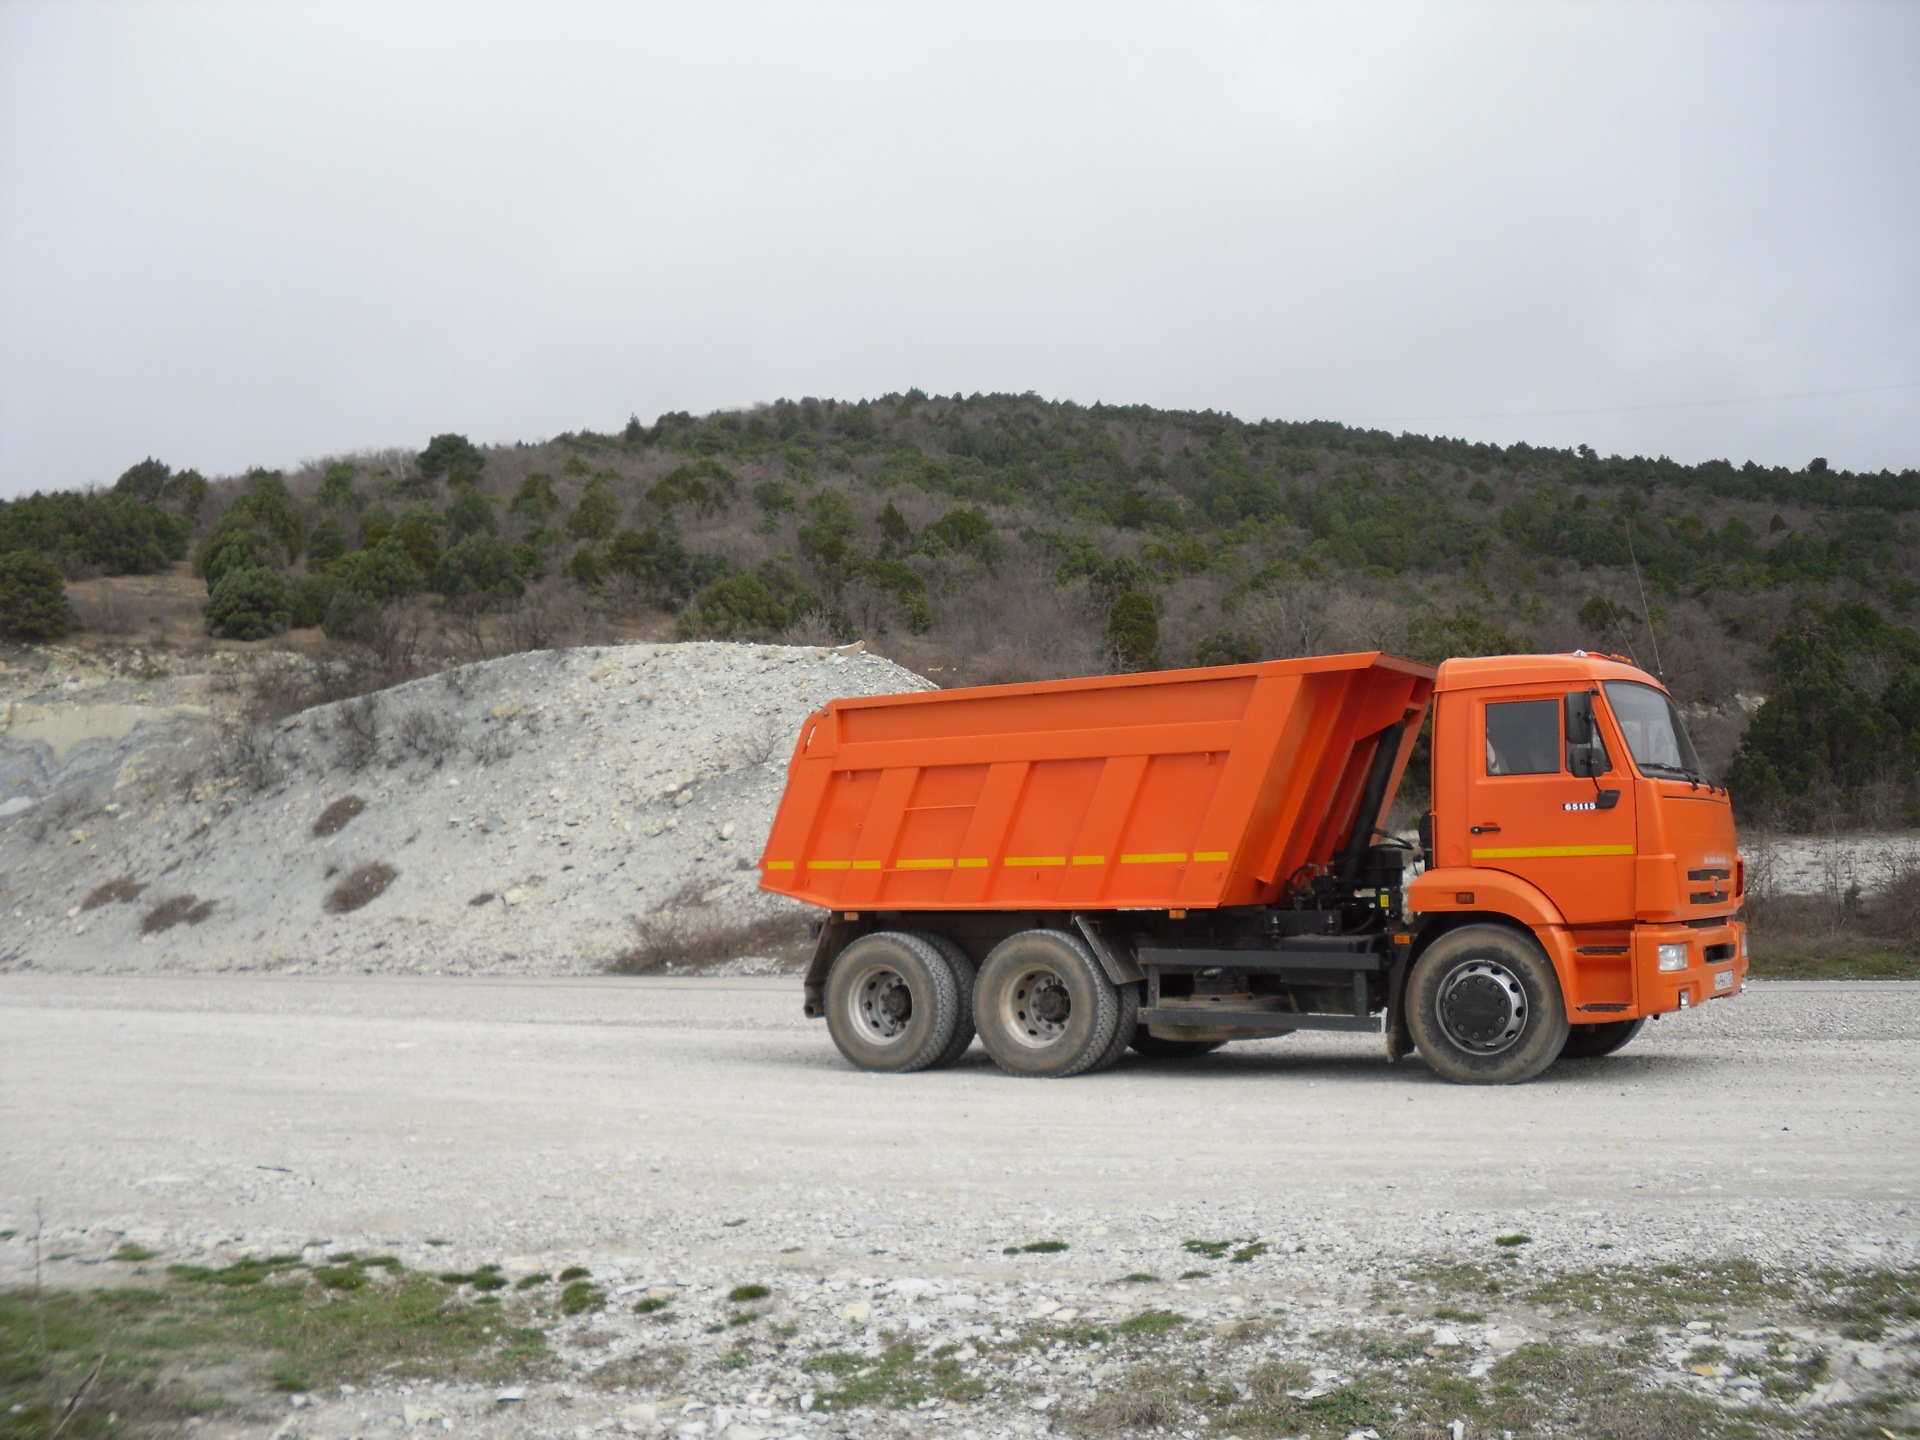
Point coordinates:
[[1523, 738]]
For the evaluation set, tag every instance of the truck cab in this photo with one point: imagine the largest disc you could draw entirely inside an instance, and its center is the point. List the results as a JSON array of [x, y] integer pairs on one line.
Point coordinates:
[[1566, 795]]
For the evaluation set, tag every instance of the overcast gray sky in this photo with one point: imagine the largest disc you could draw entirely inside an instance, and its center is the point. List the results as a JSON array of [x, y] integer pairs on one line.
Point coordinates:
[[236, 234]]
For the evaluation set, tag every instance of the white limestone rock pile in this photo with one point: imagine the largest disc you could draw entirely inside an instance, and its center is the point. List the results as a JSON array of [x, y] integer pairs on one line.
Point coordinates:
[[528, 807]]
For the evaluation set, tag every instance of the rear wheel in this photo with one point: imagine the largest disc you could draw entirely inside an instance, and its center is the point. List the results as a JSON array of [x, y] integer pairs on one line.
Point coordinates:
[[1590, 1042], [1043, 1005], [1484, 1006], [1124, 1024], [892, 1002], [1156, 1047], [962, 969]]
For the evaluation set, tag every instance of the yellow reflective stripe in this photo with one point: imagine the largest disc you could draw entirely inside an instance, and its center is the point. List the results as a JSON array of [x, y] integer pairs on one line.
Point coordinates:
[[829, 864], [1171, 857], [866, 864], [779, 864], [1205, 855], [924, 864], [1550, 852], [1036, 860], [976, 863], [1089, 859]]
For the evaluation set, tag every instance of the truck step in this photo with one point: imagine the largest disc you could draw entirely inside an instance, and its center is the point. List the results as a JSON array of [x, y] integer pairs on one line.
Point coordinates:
[[1220, 1017]]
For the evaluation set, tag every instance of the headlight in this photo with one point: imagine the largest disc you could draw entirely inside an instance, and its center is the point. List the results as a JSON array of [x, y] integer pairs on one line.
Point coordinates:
[[1673, 957]]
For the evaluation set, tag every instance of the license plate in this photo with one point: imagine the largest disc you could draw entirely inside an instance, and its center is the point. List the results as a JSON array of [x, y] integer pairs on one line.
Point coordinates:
[[1723, 980]]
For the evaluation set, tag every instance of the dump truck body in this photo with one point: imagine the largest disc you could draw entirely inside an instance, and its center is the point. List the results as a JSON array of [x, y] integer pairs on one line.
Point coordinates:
[[1205, 845], [1181, 789]]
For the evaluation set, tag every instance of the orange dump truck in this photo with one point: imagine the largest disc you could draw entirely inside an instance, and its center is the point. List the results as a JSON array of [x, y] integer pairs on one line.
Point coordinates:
[[1176, 860]]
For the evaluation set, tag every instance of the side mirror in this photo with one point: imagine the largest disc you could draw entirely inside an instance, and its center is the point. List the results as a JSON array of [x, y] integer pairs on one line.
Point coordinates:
[[1579, 708], [1586, 756]]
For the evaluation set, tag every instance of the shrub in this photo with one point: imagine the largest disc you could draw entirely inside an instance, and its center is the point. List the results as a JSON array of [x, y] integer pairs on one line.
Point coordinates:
[[114, 533], [706, 484], [334, 818], [471, 513], [739, 603], [33, 599], [415, 535], [535, 499], [179, 910], [584, 567], [453, 458], [596, 514], [482, 567], [337, 490], [309, 597], [1133, 633], [124, 891], [656, 564], [327, 543], [249, 604], [382, 572], [361, 886], [966, 530], [1226, 647]]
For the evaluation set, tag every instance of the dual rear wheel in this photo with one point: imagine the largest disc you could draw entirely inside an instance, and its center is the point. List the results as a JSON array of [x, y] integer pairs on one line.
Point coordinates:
[[1040, 1002]]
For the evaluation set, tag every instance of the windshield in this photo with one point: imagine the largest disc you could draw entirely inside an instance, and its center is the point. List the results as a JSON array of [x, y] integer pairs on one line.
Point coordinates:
[[1653, 729]]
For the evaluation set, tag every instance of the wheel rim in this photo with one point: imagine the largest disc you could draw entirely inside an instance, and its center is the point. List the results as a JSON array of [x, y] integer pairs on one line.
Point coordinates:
[[1482, 1007], [880, 1005], [1036, 1007]]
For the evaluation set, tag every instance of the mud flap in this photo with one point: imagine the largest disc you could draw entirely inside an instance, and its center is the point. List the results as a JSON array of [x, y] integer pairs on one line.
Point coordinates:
[[835, 935]]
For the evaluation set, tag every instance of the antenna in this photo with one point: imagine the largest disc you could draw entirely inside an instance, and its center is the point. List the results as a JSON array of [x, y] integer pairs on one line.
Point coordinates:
[[1645, 613]]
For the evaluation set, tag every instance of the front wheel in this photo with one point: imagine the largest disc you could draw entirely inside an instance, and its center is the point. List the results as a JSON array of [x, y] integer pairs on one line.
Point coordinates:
[[1484, 1007], [892, 1003], [1043, 1005], [1590, 1042]]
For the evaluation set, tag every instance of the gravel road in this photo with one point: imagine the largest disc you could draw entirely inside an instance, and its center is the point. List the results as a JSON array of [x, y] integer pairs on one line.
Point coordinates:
[[620, 1116], [680, 1137]]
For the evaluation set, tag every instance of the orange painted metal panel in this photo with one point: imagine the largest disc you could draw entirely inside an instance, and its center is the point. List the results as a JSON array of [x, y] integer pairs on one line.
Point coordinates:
[[1176, 789]]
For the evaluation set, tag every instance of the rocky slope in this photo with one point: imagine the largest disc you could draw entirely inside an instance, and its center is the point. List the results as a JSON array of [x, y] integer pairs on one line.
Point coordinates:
[[528, 809]]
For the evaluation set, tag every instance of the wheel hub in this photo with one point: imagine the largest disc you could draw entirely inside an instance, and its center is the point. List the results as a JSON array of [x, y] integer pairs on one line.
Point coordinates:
[[1040, 1006], [1483, 1007], [882, 1005]]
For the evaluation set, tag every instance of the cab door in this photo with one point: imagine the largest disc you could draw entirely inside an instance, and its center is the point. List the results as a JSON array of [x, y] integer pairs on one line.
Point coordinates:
[[1527, 814]]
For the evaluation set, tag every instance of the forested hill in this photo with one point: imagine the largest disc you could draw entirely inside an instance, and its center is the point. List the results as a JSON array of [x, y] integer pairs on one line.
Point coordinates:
[[1004, 537]]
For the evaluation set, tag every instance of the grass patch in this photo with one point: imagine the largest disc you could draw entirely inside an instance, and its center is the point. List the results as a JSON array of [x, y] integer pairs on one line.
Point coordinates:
[[576, 1272], [533, 1281], [1140, 1277], [1195, 1274], [1038, 1247], [1855, 965], [1149, 1322], [269, 1322], [580, 1297], [1248, 1252], [361, 886], [1212, 1249], [742, 1293], [134, 1254], [1511, 1241], [651, 1305], [898, 1377]]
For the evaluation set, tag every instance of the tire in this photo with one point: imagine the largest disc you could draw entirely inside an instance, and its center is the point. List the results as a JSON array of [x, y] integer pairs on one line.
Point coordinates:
[[892, 1003], [1484, 1007], [1043, 1006], [962, 969], [1153, 1047], [1124, 1024], [1590, 1042]]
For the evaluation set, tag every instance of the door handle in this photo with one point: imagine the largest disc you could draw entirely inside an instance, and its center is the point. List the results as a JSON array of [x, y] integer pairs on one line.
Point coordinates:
[[1485, 830]]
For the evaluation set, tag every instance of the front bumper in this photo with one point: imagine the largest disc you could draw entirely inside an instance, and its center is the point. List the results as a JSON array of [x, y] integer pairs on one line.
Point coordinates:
[[1716, 965]]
